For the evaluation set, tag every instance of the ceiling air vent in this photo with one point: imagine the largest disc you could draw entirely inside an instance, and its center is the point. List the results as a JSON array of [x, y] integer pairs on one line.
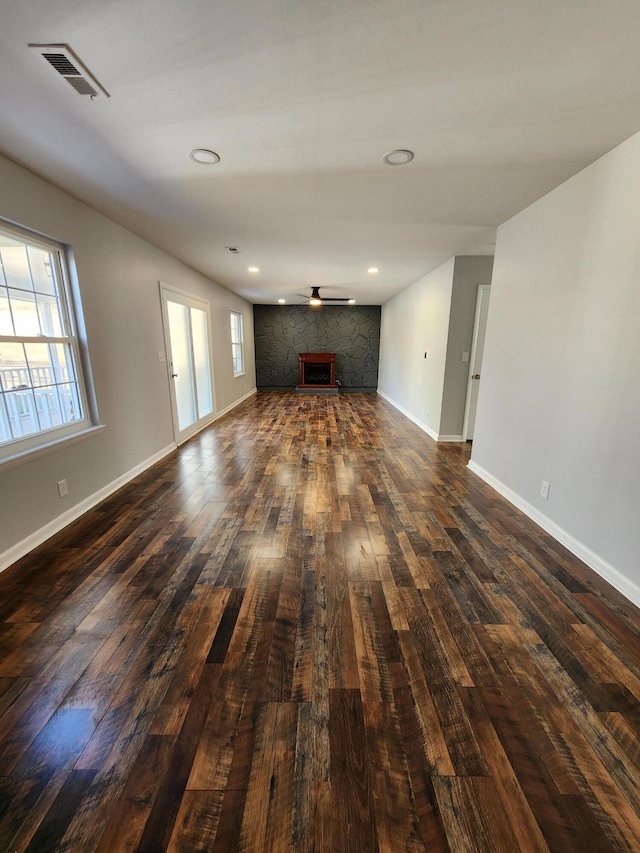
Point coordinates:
[[62, 59]]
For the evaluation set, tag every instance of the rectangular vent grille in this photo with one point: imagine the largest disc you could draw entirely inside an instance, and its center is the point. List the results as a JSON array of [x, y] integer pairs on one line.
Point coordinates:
[[82, 86], [68, 65], [61, 63]]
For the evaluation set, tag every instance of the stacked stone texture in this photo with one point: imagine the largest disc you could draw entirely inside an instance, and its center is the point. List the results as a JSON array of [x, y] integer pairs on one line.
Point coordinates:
[[283, 332]]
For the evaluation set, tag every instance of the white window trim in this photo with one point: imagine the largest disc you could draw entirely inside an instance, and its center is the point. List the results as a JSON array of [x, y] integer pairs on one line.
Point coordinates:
[[23, 456], [239, 343], [25, 449]]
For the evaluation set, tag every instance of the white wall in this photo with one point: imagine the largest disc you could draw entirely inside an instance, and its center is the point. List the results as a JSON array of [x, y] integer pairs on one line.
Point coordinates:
[[559, 399], [414, 322], [435, 315], [118, 275]]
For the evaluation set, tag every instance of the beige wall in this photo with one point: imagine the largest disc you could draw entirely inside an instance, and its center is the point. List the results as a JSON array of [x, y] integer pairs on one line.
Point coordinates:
[[434, 315], [118, 276], [414, 322]]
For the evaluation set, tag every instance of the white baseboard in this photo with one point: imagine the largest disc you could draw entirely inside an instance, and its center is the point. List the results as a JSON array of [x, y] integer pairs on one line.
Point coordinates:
[[431, 433], [233, 405], [621, 582], [17, 551], [8, 557]]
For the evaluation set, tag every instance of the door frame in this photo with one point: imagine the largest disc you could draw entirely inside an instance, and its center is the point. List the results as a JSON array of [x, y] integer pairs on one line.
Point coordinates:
[[174, 294], [477, 349]]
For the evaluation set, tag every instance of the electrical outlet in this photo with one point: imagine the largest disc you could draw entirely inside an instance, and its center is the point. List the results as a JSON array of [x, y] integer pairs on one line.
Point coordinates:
[[63, 488], [544, 490]]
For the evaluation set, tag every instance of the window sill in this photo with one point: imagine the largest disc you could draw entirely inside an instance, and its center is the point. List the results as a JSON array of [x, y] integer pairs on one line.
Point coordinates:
[[238, 375], [24, 456]]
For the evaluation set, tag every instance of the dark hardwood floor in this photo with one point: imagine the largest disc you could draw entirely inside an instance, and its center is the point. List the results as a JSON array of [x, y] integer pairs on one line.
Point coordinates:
[[312, 628]]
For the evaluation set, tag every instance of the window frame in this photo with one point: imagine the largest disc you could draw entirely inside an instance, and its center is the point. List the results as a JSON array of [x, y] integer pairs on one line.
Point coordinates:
[[237, 346], [67, 300]]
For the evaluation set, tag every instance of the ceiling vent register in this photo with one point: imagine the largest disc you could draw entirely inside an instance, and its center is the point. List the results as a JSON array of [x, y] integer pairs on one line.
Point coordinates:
[[62, 59]]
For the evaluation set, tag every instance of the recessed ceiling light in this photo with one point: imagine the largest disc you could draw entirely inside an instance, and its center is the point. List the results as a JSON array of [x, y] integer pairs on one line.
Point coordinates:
[[282, 301], [254, 269], [352, 302], [373, 269], [398, 157], [204, 156]]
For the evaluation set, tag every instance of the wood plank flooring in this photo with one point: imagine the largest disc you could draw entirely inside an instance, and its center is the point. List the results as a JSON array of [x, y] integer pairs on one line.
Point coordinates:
[[313, 629]]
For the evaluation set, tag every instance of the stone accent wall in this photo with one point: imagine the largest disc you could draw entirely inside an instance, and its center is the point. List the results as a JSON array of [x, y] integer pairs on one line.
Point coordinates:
[[284, 331]]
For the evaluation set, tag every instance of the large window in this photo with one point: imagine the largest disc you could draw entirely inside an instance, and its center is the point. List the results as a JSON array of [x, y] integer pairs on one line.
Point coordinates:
[[237, 343], [41, 394]]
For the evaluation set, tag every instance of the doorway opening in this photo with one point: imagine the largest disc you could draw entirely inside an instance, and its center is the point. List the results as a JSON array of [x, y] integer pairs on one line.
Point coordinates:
[[475, 361]]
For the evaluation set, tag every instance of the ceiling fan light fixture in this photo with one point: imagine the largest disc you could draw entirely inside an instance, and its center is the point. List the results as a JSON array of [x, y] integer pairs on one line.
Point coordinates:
[[398, 157], [316, 300]]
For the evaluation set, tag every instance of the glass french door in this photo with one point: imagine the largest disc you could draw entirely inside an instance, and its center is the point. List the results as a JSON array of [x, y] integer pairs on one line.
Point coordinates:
[[187, 341]]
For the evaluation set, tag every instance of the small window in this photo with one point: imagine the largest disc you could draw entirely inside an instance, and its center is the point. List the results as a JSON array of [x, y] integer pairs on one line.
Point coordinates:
[[237, 345], [42, 397]]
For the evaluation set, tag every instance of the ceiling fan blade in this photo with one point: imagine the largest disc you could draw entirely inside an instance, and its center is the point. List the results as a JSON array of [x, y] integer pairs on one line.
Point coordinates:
[[315, 294]]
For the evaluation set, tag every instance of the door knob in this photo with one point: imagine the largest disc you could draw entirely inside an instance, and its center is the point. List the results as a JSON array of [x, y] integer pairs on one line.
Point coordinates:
[[173, 375], [476, 376]]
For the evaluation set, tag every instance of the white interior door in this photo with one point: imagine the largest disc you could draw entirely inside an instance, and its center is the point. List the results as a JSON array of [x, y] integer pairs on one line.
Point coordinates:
[[187, 341], [475, 362]]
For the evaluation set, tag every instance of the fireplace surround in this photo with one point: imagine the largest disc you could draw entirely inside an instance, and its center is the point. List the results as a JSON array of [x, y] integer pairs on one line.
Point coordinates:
[[317, 372]]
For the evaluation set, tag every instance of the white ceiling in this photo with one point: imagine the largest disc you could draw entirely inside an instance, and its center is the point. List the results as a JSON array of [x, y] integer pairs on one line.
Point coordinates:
[[501, 100]]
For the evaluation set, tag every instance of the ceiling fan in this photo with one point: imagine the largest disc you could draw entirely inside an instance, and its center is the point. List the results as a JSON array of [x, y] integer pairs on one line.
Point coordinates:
[[316, 299]]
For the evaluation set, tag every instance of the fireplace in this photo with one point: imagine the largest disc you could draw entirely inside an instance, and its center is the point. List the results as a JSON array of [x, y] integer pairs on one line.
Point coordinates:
[[318, 371], [316, 374]]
